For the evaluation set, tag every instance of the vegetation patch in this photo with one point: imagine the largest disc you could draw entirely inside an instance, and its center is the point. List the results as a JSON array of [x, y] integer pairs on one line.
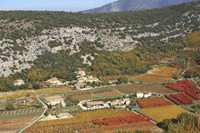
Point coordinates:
[[15, 123], [153, 102], [158, 114], [142, 87], [151, 78], [52, 90], [82, 120], [164, 71], [95, 94]]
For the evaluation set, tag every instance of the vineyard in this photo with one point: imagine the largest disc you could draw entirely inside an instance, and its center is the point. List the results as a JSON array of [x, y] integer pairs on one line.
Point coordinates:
[[188, 94], [151, 78], [141, 87], [53, 90], [14, 124], [153, 102], [16, 94], [96, 93], [105, 78], [19, 112], [160, 74], [176, 65], [192, 68], [183, 85], [182, 98], [127, 127], [164, 71], [158, 114], [81, 121], [112, 121]]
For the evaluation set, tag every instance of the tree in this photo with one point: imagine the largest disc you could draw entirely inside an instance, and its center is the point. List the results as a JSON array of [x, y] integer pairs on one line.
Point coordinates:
[[46, 113], [166, 122], [48, 84], [36, 86], [28, 95], [10, 106], [39, 105], [176, 75], [30, 86]]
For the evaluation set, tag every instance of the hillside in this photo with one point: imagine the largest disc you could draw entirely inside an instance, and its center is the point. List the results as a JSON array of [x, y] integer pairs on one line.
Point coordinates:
[[51, 44], [124, 5]]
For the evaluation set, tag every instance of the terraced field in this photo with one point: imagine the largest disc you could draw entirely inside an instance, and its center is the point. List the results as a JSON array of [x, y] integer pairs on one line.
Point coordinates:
[[142, 87]]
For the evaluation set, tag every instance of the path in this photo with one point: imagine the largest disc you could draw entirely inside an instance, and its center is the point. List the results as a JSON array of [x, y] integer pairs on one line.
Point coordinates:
[[118, 91], [44, 106]]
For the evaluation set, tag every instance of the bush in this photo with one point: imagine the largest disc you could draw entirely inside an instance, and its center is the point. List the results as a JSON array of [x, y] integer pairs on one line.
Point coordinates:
[[10, 106], [46, 113]]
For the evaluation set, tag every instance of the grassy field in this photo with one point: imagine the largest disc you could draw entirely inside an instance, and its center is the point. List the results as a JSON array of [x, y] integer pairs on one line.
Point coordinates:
[[132, 88]]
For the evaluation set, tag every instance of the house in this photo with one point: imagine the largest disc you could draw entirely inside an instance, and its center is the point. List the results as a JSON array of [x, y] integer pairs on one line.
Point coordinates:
[[124, 101], [112, 81], [53, 100], [82, 79], [80, 73], [28, 100], [18, 82], [94, 104], [146, 94], [92, 79], [116, 103], [139, 94], [80, 85], [54, 81], [143, 94]]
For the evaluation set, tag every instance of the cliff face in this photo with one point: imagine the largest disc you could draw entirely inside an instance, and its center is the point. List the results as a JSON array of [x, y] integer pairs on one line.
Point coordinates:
[[123, 5]]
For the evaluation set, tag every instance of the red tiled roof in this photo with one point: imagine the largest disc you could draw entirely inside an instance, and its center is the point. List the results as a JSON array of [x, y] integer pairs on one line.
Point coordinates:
[[95, 103]]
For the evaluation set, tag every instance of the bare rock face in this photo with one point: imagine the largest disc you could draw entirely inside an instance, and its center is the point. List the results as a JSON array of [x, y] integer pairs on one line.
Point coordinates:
[[123, 5]]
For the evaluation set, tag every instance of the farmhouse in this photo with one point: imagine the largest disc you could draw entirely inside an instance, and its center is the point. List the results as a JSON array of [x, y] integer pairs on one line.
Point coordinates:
[[139, 94], [81, 73], [116, 103], [18, 82], [142, 94], [94, 104], [80, 85], [92, 79], [82, 79], [54, 81], [125, 101], [53, 100]]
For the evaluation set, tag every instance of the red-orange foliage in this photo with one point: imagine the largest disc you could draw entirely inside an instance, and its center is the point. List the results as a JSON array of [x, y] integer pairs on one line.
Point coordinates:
[[111, 121], [153, 102]]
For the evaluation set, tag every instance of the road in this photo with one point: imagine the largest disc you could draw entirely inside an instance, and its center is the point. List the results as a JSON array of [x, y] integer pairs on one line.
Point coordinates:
[[31, 123]]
